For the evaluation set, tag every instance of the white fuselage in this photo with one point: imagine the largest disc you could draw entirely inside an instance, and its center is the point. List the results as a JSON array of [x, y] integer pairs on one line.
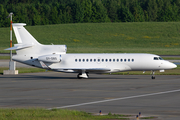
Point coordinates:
[[114, 62]]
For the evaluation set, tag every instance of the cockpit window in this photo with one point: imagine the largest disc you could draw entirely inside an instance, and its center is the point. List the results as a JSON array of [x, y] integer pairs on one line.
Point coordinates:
[[156, 58], [160, 58]]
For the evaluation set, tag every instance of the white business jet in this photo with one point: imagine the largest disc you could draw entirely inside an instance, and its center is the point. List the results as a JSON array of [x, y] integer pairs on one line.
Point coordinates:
[[53, 57]]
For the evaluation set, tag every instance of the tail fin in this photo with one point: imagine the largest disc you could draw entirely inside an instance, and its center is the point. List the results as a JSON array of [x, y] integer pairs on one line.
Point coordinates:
[[28, 45], [22, 35]]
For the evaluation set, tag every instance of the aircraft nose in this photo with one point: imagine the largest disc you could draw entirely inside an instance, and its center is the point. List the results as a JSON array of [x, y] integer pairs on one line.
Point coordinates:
[[172, 65], [169, 65]]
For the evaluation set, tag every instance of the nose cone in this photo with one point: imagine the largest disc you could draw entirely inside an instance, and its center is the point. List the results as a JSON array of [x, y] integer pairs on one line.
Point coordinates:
[[168, 65], [172, 65]]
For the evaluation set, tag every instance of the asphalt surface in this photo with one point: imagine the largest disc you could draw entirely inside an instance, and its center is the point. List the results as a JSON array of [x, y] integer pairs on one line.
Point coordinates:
[[122, 94]]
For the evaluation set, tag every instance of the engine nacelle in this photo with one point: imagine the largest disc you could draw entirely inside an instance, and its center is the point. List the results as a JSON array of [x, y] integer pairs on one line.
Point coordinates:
[[54, 58], [58, 49]]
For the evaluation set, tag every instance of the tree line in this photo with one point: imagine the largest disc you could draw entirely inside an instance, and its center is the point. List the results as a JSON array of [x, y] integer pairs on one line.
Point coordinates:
[[43, 12]]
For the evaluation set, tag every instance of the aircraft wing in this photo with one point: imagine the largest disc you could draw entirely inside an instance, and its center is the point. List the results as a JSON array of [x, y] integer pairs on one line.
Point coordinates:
[[79, 70], [76, 70]]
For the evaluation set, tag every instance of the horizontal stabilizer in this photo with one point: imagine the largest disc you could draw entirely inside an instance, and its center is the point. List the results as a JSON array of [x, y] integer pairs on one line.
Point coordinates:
[[19, 46]]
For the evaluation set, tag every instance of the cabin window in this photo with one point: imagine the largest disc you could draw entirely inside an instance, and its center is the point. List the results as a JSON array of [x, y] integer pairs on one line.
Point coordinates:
[[161, 58], [155, 58], [102, 60], [109, 60], [83, 60], [117, 60], [132, 60], [124, 60], [128, 60], [121, 60], [79, 60], [94, 60], [75, 60], [90, 60], [113, 60], [31, 57], [87, 60], [106, 60], [98, 60]]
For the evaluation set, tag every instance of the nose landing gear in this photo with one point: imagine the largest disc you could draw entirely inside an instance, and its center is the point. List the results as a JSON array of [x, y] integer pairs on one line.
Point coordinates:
[[153, 76]]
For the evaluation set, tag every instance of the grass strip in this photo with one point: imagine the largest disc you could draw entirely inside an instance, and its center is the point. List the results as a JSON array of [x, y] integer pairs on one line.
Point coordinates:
[[161, 38], [24, 70], [171, 58], [54, 114], [4, 57]]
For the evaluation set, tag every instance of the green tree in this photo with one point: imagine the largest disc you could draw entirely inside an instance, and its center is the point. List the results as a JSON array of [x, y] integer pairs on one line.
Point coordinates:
[[125, 15], [112, 10], [54, 16], [152, 10], [79, 11], [99, 12], [87, 10], [138, 13]]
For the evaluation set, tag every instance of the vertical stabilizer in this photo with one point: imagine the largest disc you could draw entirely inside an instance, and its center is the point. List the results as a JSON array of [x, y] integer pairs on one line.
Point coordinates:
[[22, 35]]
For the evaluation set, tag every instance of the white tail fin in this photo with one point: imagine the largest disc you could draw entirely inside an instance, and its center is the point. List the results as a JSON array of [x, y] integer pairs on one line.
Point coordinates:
[[22, 35], [28, 45]]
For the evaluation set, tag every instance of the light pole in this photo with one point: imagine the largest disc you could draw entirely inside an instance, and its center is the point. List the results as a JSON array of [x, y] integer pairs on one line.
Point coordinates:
[[10, 15], [12, 64]]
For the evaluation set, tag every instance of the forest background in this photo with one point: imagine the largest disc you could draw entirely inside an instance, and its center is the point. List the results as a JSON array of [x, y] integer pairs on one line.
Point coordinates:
[[44, 12]]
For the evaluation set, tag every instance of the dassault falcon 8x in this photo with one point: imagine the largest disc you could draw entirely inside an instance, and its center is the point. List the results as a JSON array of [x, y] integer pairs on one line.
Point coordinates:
[[53, 57]]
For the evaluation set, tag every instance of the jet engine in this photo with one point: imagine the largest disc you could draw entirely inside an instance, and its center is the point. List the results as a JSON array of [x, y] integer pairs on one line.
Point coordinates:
[[53, 58]]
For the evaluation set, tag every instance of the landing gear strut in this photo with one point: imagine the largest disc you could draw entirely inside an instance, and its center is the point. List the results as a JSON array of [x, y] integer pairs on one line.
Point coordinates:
[[153, 76]]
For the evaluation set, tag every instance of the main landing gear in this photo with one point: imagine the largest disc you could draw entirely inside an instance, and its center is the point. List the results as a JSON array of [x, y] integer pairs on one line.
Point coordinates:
[[153, 76], [82, 75]]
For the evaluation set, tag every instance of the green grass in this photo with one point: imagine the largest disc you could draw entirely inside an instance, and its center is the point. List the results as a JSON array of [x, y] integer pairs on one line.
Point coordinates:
[[171, 58], [4, 57], [148, 117], [24, 70], [54, 114], [162, 38]]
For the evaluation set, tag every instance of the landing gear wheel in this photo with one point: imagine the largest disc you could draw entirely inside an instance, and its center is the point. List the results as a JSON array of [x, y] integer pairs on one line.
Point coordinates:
[[87, 75], [153, 77], [78, 76]]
